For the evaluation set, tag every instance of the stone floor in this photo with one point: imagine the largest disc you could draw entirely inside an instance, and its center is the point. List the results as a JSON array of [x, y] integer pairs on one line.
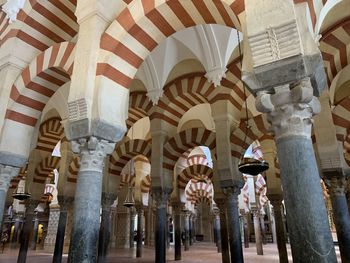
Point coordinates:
[[199, 252]]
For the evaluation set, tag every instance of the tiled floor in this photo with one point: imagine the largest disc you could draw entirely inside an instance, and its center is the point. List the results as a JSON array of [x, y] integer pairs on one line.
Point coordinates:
[[199, 252]]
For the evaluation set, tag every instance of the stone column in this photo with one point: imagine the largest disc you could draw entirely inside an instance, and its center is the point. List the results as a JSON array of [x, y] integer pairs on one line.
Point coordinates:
[[246, 229], [225, 251], [187, 231], [139, 231], [105, 226], [6, 174], [263, 229], [123, 226], [113, 227], [190, 230], [218, 231], [234, 229], [50, 238], [336, 183], [35, 231], [87, 201], [27, 230], [276, 202], [17, 230], [177, 226], [61, 227], [69, 225], [257, 232], [289, 111], [132, 226], [161, 198]]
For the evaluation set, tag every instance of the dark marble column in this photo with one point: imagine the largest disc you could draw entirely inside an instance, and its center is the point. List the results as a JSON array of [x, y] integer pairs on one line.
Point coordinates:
[[35, 232], [276, 203], [245, 229], [161, 198], [27, 230], [218, 231], [87, 201], [187, 230], [177, 226], [190, 230], [234, 229], [17, 230], [290, 110], [61, 228], [132, 227], [105, 226], [336, 184], [257, 232], [225, 250], [139, 231]]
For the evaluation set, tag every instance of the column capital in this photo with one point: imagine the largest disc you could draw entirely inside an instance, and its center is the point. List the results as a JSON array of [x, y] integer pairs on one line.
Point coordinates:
[[336, 185], [161, 196], [290, 109], [107, 200], [7, 173], [93, 152]]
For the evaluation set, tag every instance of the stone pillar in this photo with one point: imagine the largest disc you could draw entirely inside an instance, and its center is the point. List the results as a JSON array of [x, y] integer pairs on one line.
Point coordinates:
[[257, 232], [336, 184], [218, 231], [105, 226], [276, 202], [113, 227], [246, 229], [6, 174], [61, 227], [27, 230], [17, 229], [35, 232], [190, 230], [263, 229], [289, 111], [234, 229], [187, 231], [69, 225], [225, 251], [177, 226], [50, 238], [139, 231], [123, 226], [87, 201], [132, 226], [161, 198]]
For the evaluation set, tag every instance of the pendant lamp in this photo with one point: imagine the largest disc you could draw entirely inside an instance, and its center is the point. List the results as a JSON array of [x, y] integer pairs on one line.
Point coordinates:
[[20, 192], [249, 165]]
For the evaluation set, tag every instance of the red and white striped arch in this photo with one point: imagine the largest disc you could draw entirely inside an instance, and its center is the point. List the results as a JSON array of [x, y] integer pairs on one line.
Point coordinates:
[[38, 82], [127, 179], [197, 159], [335, 47], [125, 151], [50, 133], [144, 24], [241, 138], [73, 170], [146, 184], [41, 24], [139, 107], [195, 173], [199, 189], [185, 140], [45, 168]]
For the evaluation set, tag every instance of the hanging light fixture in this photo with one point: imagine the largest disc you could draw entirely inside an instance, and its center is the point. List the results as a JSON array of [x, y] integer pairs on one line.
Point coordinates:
[[129, 200], [249, 165], [20, 192]]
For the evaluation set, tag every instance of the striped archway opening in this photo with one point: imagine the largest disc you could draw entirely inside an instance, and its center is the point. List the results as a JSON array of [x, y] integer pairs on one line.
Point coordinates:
[[38, 82], [146, 184], [176, 146], [125, 151], [21, 174], [45, 169], [144, 24], [197, 159], [50, 133], [139, 107], [242, 138], [194, 173], [199, 189]]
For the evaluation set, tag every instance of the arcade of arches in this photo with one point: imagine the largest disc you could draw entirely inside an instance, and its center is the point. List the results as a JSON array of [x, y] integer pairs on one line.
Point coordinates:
[[152, 104]]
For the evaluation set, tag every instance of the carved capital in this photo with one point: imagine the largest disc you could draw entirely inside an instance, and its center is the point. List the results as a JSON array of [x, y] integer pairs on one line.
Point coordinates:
[[336, 185], [12, 8], [7, 173], [92, 152], [161, 197], [107, 200], [216, 75], [290, 109]]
